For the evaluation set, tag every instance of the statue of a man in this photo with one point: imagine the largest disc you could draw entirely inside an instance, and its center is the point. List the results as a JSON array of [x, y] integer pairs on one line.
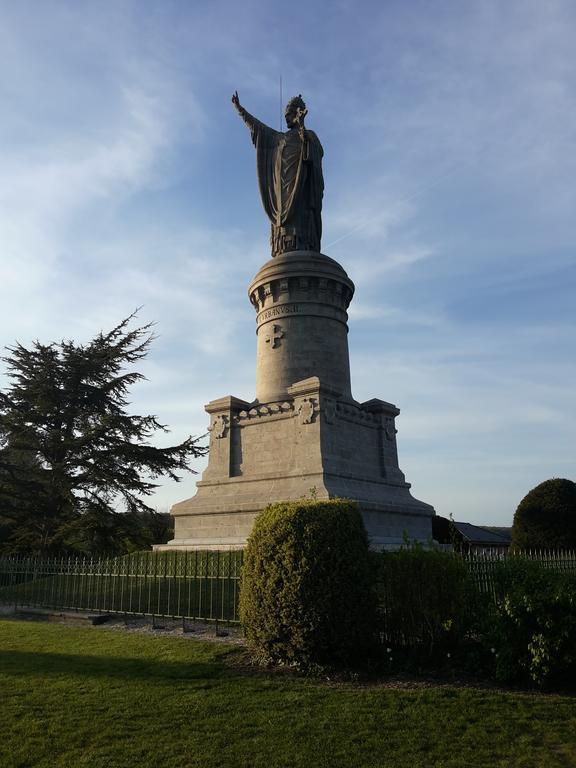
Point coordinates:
[[290, 178]]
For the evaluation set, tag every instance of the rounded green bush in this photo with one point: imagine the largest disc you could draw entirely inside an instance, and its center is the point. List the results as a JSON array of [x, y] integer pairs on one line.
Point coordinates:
[[546, 517], [306, 596]]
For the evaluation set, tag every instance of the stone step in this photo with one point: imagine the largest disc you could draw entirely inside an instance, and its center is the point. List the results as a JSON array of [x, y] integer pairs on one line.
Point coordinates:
[[47, 614]]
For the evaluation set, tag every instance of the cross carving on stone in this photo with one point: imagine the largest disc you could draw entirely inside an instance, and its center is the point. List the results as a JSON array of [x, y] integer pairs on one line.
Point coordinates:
[[273, 337]]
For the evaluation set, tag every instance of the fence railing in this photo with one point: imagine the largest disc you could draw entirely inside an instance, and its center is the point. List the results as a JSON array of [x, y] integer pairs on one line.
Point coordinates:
[[482, 564], [190, 585], [195, 585], [423, 596]]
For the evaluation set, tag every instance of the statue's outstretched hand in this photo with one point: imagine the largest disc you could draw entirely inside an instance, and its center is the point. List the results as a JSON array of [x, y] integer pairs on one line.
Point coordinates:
[[236, 100]]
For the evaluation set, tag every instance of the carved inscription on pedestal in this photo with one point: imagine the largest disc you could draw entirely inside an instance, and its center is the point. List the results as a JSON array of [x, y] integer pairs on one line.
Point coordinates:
[[280, 311]]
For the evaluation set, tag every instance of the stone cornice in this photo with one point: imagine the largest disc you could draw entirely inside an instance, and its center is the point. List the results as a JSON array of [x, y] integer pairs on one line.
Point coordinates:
[[301, 276]]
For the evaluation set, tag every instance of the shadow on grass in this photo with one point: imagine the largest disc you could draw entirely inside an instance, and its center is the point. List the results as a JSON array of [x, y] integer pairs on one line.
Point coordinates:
[[21, 663]]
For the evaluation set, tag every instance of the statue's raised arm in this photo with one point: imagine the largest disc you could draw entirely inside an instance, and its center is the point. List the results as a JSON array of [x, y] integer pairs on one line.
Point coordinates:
[[289, 167], [255, 126]]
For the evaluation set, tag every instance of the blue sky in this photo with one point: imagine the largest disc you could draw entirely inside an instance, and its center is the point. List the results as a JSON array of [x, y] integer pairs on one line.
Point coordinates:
[[449, 132]]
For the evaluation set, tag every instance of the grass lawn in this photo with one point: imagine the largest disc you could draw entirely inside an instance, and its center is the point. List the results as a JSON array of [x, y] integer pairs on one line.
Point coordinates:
[[76, 696]]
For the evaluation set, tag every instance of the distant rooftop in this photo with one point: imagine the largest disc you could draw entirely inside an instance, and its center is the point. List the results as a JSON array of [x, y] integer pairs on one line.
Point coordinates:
[[489, 536], [503, 530]]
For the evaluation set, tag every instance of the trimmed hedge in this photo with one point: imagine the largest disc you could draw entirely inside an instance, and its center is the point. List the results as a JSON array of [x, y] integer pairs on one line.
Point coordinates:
[[307, 589], [546, 517], [313, 595]]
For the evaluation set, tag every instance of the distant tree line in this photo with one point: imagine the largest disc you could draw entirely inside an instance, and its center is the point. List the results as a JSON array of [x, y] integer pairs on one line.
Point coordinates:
[[76, 469]]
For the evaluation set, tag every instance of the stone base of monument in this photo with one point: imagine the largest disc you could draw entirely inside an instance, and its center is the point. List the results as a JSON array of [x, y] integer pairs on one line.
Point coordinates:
[[304, 436], [314, 444]]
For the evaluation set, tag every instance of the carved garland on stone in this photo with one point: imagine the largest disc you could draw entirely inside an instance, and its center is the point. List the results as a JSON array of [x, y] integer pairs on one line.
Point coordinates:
[[390, 430], [357, 415], [307, 411], [329, 411], [261, 411], [219, 426]]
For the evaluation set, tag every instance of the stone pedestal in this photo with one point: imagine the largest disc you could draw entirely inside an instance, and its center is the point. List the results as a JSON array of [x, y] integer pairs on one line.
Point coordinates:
[[301, 300], [304, 435]]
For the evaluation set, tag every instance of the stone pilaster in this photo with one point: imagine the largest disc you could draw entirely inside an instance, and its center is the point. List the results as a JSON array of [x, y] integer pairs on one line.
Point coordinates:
[[220, 456]]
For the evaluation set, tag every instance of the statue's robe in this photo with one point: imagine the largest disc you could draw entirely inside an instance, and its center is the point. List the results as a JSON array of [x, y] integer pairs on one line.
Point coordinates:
[[291, 185]]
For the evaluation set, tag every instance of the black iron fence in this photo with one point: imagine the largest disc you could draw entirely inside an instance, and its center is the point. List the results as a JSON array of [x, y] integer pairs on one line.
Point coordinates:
[[190, 585], [195, 585], [482, 564], [425, 598]]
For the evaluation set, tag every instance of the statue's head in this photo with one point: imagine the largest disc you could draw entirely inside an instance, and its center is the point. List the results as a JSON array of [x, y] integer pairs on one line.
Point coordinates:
[[295, 111]]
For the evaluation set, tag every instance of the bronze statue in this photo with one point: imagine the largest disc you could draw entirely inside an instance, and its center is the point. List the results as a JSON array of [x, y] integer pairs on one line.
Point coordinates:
[[290, 178]]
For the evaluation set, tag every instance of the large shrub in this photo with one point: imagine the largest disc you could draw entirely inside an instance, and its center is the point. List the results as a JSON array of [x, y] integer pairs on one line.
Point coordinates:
[[306, 596], [426, 598], [546, 517], [534, 626]]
